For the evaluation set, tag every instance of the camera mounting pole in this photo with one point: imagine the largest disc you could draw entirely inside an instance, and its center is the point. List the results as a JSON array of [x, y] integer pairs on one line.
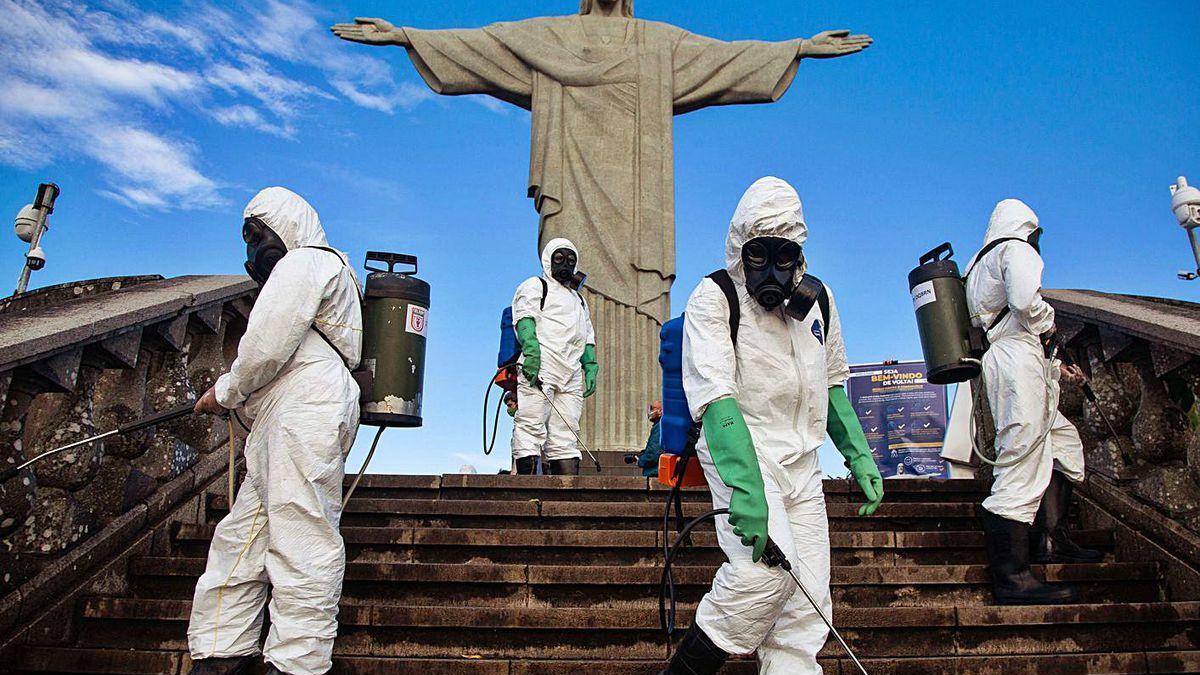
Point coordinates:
[[32, 221]]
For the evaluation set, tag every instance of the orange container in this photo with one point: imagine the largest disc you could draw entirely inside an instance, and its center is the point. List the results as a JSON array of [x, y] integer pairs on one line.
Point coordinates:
[[693, 475]]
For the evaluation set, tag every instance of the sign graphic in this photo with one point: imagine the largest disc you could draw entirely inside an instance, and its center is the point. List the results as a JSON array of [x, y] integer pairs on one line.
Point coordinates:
[[416, 320], [903, 416]]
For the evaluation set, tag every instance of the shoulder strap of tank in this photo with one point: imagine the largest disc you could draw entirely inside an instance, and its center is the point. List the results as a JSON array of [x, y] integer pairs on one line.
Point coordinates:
[[988, 249], [984, 251], [545, 292], [999, 317], [725, 282], [337, 253], [320, 333]]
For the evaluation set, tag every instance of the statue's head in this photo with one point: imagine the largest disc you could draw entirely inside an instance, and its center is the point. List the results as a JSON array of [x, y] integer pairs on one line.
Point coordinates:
[[586, 6]]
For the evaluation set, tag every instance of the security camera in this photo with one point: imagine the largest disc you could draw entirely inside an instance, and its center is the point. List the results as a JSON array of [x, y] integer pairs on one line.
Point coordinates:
[[26, 223], [36, 258], [1185, 204]]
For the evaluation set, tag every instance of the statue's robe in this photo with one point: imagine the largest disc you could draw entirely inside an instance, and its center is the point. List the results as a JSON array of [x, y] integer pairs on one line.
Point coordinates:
[[602, 92]]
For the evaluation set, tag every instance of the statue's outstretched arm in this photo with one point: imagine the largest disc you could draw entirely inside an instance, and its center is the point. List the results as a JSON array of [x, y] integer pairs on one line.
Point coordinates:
[[833, 43], [369, 31]]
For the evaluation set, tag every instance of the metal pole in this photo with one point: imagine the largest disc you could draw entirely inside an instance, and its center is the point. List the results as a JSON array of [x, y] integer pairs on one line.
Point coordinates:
[[1195, 247], [47, 194], [23, 283]]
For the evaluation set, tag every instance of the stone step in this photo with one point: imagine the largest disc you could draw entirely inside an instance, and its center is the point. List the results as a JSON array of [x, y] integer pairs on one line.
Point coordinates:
[[628, 488], [572, 515], [637, 586], [126, 662], [630, 633], [625, 547]]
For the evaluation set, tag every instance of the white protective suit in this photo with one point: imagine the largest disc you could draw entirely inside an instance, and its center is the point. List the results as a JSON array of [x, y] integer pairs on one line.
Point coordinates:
[[564, 328], [780, 374], [1021, 384], [282, 531]]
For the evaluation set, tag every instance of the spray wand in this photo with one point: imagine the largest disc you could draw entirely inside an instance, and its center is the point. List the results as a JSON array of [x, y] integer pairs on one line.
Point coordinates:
[[538, 385], [136, 425]]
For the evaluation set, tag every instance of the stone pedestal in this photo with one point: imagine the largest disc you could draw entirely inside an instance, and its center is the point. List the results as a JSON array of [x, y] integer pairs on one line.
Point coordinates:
[[629, 380]]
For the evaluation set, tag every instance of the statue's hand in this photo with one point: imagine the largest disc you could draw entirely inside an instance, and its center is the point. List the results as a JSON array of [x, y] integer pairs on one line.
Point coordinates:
[[833, 43], [370, 32]]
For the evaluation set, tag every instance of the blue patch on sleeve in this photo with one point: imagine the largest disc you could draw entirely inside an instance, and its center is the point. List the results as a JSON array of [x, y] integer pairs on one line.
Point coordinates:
[[817, 332]]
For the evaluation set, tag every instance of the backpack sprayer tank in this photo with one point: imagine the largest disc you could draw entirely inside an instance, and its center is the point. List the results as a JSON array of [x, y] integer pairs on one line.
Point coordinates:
[[940, 300], [395, 312], [678, 433]]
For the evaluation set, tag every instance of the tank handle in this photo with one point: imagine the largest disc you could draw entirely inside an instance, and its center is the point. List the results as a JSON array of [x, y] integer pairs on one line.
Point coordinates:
[[391, 259], [935, 254]]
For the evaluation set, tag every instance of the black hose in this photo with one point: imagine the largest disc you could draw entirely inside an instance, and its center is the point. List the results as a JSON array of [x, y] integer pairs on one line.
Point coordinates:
[[487, 394], [666, 619]]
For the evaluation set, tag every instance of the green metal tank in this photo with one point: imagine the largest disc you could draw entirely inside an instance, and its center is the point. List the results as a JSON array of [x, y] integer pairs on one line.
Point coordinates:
[[940, 300], [395, 316]]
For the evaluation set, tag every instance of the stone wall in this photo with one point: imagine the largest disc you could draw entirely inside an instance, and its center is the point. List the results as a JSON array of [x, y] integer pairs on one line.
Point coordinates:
[[165, 347]]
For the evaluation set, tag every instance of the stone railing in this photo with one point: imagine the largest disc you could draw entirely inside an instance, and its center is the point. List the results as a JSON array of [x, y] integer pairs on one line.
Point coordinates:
[[83, 358], [1143, 357]]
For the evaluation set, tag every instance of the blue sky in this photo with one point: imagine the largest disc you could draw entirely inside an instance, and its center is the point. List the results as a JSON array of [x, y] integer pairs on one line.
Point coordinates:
[[159, 120]]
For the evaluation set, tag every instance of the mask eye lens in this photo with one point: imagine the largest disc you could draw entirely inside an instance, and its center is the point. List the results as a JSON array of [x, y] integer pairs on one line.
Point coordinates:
[[787, 256], [251, 233], [755, 254]]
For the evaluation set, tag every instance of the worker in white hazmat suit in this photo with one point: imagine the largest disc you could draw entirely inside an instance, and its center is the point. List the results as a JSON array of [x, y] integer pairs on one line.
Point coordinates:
[[558, 363], [766, 397], [1004, 282], [291, 383]]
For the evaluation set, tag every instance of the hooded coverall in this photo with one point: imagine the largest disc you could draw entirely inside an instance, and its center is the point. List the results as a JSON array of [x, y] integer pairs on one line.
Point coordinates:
[[296, 392], [564, 328], [1021, 383], [780, 374]]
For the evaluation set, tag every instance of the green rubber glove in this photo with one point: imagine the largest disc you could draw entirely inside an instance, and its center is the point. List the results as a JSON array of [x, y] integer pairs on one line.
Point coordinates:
[[590, 368], [732, 451], [531, 348], [847, 435]]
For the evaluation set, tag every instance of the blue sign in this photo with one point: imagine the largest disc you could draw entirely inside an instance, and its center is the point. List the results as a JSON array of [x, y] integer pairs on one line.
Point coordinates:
[[903, 416]]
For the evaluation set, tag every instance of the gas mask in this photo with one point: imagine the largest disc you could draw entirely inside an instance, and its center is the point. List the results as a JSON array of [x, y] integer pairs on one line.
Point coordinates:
[[562, 267], [264, 249], [770, 264], [1035, 240]]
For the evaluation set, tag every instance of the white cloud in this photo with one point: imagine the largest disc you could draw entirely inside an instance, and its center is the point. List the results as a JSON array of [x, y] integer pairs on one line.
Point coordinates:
[[157, 171], [108, 81], [402, 97], [246, 116], [151, 82]]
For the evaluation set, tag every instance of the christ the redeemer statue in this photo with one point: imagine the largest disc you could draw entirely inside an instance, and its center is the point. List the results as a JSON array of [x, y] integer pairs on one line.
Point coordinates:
[[603, 88]]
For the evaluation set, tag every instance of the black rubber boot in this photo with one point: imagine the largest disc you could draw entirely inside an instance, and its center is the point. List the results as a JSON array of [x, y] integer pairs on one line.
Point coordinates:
[[697, 655], [527, 466], [564, 467], [1051, 538], [233, 665], [1007, 543]]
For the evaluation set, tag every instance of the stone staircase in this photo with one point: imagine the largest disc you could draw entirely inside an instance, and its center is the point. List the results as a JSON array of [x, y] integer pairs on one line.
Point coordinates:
[[522, 575], [99, 549]]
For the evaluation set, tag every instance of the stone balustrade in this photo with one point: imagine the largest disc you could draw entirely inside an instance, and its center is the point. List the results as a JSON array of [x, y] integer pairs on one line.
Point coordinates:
[[1143, 357]]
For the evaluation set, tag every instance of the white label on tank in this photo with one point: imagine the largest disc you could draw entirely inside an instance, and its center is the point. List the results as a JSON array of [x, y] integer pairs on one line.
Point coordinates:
[[416, 322], [923, 294]]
